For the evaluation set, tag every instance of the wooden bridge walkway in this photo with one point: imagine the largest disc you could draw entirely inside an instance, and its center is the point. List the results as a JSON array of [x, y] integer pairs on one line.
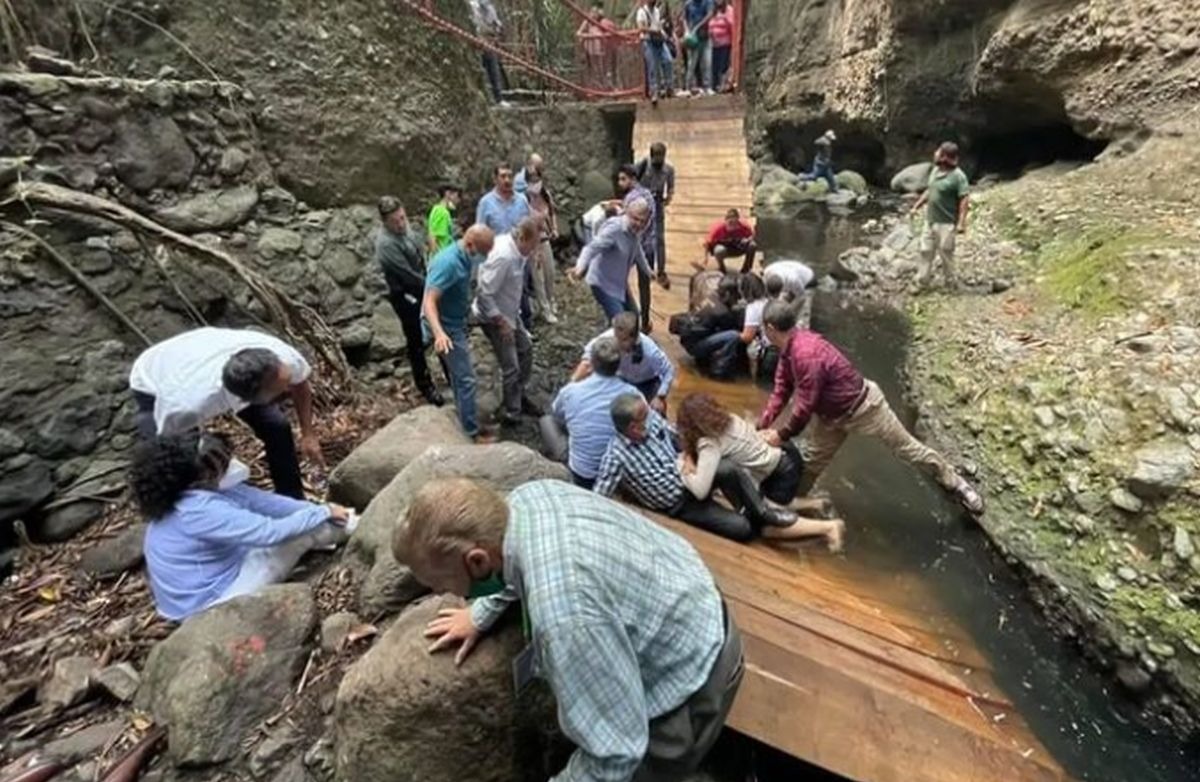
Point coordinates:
[[850, 669]]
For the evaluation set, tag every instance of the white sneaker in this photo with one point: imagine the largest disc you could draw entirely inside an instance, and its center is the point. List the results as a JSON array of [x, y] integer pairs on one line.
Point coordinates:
[[504, 104], [550, 317], [709, 92]]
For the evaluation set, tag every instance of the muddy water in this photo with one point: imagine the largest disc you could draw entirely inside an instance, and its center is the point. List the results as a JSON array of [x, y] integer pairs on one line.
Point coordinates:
[[904, 530]]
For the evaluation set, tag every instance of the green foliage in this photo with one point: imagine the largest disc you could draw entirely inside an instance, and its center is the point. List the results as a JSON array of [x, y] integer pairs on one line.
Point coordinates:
[[1089, 273]]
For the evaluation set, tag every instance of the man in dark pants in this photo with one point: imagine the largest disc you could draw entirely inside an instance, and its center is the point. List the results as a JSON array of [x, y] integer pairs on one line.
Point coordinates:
[[489, 27], [183, 382], [658, 176], [399, 254]]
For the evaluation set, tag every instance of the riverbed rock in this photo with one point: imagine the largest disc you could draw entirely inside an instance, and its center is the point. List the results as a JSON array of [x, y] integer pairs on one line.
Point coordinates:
[[225, 669], [1126, 500], [279, 243], [335, 629], [372, 465], [1181, 544], [84, 743], [70, 681], [150, 151], [405, 715], [770, 173], [1160, 469], [67, 521], [852, 181], [121, 681], [23, 487], [779, 195], [388, 585], [215, 210], [114, 556], [274, 748], [233, 162], [912, 179]]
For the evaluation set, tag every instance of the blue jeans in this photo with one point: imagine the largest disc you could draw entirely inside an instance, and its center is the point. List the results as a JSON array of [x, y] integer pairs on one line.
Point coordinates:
[[611, 305], [699, 66], [460, 368], [705, 348], [659, 72], [822, 170]]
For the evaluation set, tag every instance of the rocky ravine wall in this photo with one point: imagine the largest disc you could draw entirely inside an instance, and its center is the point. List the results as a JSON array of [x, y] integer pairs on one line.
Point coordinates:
[[191, 155], [895, 77]]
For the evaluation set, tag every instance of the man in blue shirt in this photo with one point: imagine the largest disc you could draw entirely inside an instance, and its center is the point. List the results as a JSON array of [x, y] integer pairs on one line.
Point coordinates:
[[580, 414], [501, 208], [606, 260], [633, 191], [644, 365], [446, 307]]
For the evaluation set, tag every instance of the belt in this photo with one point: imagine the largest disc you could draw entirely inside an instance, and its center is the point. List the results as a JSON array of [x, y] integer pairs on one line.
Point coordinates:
[[862, 397]]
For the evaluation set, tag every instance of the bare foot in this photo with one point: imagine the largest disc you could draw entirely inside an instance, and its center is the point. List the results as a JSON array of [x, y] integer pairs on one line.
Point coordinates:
[[698, 265], [821, 507], [836, 538]]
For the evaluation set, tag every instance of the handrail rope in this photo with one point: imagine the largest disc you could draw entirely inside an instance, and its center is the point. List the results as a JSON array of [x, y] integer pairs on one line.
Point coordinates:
[[480, 43]]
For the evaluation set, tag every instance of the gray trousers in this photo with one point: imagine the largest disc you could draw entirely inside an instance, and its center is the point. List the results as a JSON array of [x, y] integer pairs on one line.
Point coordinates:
[[680, 739], [515, 357]]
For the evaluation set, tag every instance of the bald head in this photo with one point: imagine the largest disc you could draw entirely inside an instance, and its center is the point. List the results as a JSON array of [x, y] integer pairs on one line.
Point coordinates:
[[478, 239], [534, 162]]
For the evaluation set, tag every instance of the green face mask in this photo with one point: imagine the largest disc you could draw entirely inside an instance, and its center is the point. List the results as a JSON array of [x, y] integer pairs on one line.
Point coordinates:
[[487, 586]]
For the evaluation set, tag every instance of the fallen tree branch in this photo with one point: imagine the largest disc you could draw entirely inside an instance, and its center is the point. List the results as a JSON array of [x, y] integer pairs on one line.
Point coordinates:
[[299, 322], [79, 278]]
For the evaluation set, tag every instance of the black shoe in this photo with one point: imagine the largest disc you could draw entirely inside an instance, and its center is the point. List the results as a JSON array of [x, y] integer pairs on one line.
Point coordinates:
[[530, 407], [777, 517], [505, 418], [432, 395]]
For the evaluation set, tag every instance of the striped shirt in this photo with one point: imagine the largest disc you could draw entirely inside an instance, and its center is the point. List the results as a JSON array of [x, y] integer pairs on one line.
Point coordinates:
[[626, 620], [654, 364], [648, 469]]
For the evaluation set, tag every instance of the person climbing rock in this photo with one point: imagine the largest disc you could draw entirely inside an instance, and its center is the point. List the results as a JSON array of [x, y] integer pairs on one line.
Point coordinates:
[[948, 199], [822, 167], [826, 389], [623, 619], [185, 381], [658, 176], [489, 27], [731, 237], [440, 222], [445, 307], [398, 253], [644, 365]]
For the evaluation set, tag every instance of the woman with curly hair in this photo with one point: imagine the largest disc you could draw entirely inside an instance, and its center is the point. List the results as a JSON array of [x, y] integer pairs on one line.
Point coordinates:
[[207, 543], [713, 437]]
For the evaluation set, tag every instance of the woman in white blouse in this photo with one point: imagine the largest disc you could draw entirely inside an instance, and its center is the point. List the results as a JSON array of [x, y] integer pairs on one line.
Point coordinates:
[[710, 435]]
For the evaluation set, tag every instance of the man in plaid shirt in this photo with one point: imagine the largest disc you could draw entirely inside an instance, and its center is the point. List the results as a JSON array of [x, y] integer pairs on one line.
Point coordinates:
[[624, 620]]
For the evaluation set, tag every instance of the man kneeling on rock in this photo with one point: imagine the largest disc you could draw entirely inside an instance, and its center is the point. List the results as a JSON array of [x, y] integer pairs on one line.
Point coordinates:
[[644, 365], [623, 619]]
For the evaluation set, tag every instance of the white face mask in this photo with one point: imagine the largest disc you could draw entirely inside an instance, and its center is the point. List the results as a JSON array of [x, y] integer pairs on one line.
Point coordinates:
[[535, 188]]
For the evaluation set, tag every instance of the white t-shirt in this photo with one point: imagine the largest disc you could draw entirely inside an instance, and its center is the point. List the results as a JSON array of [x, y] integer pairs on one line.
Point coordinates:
[[795, 276], [754, 319], [183, 374], [650, 18]]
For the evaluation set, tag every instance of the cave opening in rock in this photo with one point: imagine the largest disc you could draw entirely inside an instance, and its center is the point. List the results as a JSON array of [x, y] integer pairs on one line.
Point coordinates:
[[1010, 153]]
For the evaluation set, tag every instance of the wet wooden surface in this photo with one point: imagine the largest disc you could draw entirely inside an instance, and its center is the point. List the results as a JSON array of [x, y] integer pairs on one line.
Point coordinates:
[[855, 670]]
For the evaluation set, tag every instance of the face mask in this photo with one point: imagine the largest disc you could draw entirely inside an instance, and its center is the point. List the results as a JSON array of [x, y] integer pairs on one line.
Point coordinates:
[[535, 188], [657, 165], [482, 587]]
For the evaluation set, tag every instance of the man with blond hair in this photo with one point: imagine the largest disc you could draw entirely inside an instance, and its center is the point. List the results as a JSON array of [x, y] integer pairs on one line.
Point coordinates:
[[623, 618]]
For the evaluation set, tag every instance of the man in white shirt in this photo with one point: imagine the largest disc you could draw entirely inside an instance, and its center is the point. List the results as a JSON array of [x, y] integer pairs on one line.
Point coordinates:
[[498, 306], [660, 76], [644, 365], [789, 279], [193, 377]]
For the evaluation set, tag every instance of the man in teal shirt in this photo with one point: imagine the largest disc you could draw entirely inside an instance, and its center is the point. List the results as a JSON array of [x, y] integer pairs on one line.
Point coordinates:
[[446, 306], [948, 201], [440, 223]]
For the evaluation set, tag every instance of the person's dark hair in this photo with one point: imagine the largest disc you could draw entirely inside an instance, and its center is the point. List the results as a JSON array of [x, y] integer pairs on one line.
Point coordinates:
[[625, 324], [774, 286], [949, 150], [752, 288], [658, 148], [165, 467], [780, 315], [445, 190], [700, 415], [387, 205], [625, 409], [501, 167], [606, 357], [733, 214], [629, 170], [247, 371], [728, 290]]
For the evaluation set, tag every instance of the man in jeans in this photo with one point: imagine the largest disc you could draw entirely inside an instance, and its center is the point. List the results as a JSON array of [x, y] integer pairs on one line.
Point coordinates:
[[399, 255], [948, 200], [827, 389], [446, 307], [498, 307], [632, 192], [823, 161], [660, 77], [489, 27], [696, 16], [606, 260]]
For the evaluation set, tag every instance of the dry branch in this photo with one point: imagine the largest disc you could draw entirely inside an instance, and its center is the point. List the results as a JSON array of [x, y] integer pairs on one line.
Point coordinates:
[[299, 322]]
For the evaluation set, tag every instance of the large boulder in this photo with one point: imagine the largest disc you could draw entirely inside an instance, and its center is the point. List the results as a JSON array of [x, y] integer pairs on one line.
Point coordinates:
[[852, 181], [405, 715], [224, 670], [372, 465], [912, 179], [779, 195], [212, 211], [150, 152], [25, 483], [770, 174], [389, 586], [1160, 469]]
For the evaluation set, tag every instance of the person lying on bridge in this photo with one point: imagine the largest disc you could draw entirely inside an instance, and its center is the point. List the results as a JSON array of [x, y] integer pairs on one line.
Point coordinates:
[[642, 461], [185, 381], [828, 391], [623, 619], [579, 428], [212, 538], [606, 260], [644, 365], [731, 237], [713, 439]]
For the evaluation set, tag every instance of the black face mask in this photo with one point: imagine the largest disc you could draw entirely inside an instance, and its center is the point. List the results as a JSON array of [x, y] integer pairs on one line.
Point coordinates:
[[657, 164], [637, 354]]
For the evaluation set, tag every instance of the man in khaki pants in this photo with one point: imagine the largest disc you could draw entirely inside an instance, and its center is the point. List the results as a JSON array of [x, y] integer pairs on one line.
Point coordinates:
[[948, 203], [827, 388]]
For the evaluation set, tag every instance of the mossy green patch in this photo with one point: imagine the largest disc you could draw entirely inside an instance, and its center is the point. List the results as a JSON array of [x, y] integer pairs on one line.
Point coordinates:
[[1088, 273]]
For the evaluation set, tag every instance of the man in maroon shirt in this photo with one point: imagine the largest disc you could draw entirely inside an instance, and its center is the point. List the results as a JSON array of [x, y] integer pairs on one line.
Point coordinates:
[[827, 388], [730, 238]]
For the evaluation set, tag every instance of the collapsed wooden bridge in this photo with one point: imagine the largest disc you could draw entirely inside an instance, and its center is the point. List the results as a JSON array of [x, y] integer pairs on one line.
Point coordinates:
[[843, 669]]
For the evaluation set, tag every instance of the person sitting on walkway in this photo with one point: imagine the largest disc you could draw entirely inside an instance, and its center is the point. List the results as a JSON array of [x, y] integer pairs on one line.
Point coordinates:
[[823, 161], [606, 260], [632, 634], [183, 382], [579, 428], [642, 460], [440, 222], [498, 307], [644, 365], [827, 389], [446, 307], [712, 437], [732, 237], [398, 253], [208, 543], [949, 202]]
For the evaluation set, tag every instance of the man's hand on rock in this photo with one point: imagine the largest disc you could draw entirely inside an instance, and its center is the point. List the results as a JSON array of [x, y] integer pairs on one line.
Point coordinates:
[[453, 626], [338, 514]]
